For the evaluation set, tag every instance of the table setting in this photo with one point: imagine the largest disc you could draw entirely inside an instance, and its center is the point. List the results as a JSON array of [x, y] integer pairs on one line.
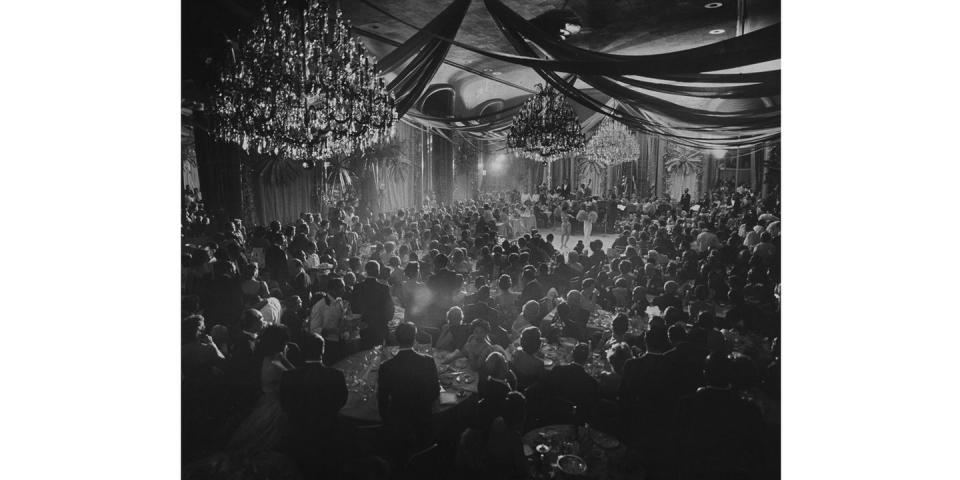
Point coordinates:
[[576, 451], [457, 381]]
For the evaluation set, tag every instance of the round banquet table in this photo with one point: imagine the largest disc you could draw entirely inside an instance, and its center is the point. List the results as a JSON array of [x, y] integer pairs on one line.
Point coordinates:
[[602, 453], [457, 382]]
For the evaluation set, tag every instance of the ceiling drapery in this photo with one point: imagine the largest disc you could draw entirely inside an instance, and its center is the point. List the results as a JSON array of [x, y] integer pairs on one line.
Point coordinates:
[[664, 94], [654, 114], [428, 52]]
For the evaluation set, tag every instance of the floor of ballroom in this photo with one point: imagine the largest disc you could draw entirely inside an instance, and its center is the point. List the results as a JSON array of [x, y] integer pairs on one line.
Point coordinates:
[[607, 238]]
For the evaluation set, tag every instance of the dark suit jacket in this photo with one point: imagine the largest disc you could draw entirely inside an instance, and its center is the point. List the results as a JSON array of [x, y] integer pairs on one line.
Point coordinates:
[[407, 386], [686, 360], [444, 283], [313, 395], [573, 383], [243, 367], [647, 386], [375, 306], [480, 310]]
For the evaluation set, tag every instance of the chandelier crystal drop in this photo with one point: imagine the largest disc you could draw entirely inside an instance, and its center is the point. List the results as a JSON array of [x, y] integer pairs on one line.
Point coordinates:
[[302, 88], [545, 128], [613, 143]]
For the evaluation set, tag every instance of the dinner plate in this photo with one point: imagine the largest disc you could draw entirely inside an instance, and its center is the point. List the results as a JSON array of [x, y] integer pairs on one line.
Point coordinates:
[[572, 465], [547, 362]]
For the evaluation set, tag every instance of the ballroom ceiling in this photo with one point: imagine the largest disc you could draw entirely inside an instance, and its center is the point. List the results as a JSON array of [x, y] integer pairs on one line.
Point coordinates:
[[629, 27]]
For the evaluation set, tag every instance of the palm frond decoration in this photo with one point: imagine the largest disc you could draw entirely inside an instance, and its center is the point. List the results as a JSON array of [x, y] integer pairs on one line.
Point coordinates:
[[590, 165], [387, 156]]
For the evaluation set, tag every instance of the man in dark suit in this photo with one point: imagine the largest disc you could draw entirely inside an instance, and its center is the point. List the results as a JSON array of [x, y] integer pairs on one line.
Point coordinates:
[[686, 359], [442, 285], [444, 282], [312, 396], [375, 306], [669, 297], [407, 387], [480, 308], [648, 386], [243, 367], [573, 383]]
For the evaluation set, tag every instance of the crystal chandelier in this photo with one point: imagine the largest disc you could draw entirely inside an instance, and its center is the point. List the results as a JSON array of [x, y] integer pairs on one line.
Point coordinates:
[[545, 128], [613, 143], [302, 88]]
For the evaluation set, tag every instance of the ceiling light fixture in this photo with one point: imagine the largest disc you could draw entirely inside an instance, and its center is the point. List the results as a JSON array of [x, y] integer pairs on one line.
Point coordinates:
[[717, 31], [713, 5], [302, 87], [496, 73]]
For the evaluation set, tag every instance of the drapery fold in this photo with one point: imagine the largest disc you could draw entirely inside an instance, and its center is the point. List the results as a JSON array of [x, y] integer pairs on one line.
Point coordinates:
[[639, 110], [660, 94], [755, 47], [427, 52]]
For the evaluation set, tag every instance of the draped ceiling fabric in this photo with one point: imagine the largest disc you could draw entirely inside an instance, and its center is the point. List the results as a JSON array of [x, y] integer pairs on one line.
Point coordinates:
[[429, 51], [664, 94], [653, 112]]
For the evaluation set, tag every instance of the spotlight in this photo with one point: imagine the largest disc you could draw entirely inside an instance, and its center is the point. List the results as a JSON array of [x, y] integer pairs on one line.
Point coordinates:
[[717, 31], [498, 163], [713, 5]]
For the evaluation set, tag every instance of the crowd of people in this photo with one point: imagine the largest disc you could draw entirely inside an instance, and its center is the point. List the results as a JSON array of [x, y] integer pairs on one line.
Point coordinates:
[[692, 388]]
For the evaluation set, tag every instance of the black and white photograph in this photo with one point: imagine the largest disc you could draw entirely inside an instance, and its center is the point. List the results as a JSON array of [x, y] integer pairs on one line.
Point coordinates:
[[479, 239]]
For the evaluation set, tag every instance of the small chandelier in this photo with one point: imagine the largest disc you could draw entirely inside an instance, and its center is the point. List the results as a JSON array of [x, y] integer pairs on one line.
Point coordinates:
[[613, 143], [546, 127], [302, 88]]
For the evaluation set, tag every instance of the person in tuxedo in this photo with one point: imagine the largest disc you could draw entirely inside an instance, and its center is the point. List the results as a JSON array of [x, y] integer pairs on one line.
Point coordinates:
[[444, 282], [685, 200], [312, 396], [243, 367], [648, 386], [686, 359], [375, 306], [611, 213], [407, 387], [669, 297], [573, 383]]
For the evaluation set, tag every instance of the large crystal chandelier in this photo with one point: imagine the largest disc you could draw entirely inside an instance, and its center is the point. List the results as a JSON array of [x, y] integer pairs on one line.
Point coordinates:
[[302, 88], [613, 143], [546, 127]]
